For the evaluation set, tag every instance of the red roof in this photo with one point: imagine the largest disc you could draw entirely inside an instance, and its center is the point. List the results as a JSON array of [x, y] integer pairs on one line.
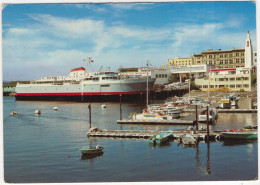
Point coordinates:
[[228, 69], [78, 69]]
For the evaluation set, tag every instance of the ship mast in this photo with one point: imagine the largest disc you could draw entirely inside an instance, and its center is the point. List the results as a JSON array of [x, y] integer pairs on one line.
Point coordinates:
[[89, 61]]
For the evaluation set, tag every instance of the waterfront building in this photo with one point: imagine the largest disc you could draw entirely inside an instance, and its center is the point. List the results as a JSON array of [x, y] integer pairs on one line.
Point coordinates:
[[255, 58], [180, 61], [161, 74], [196, 71], [235, 79], [221, 59]]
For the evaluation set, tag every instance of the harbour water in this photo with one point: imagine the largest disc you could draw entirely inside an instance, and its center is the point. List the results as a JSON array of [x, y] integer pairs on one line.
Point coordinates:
[[45, 148]]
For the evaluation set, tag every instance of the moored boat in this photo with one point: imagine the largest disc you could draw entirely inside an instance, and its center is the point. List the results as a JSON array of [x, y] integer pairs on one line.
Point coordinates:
[[224, 103], [160, 138], [91, 150], [240, 135], [188, 139]]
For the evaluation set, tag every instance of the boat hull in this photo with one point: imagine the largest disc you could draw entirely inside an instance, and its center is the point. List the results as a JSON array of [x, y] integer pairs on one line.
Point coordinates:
[[239, 135], [159, 138], [91, 151]]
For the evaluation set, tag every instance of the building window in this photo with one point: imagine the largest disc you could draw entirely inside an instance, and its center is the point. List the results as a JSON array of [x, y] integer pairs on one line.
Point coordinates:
[[221, 56], [238, 85], [246, 78], [226, 61], [242, 54], [231, 79], [205, 86], [211, 86], [239, 78], [242, 60], [216, 86], [237, 54], [221, 62], [246, 85], [226, 55], [237, 61], [232, 86], [230, 61], [230, 55]]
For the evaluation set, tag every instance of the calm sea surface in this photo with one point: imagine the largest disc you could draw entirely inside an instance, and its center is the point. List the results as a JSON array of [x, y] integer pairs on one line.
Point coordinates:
[[45, 148]]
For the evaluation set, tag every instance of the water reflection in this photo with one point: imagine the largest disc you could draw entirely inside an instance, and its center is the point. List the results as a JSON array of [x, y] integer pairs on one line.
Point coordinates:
[[232, 142], [162, 145], [91, 156], [203, 170]]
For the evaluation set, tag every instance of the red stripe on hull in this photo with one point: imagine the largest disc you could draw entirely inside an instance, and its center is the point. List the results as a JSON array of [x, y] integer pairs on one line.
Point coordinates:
[[75, 94]]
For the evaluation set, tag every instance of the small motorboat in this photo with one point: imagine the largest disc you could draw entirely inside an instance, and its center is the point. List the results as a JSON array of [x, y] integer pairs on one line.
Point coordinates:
[[55, 108], [91, 150], [188, 139], [12, 113], [239, 134], [160, 138], [104, 106], [37, 112]]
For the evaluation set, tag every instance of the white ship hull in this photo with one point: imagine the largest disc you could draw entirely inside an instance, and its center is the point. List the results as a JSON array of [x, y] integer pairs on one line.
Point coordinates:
[[109, 89]]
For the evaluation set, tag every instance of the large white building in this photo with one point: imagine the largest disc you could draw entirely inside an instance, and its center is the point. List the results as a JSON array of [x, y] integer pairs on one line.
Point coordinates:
[[234, 79], [195, 71]]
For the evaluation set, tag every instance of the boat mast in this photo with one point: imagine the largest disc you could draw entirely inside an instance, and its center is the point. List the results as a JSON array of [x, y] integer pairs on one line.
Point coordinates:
[[147, 84]]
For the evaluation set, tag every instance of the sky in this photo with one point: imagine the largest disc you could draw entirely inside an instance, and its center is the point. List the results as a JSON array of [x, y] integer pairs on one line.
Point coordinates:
[[51, 39]]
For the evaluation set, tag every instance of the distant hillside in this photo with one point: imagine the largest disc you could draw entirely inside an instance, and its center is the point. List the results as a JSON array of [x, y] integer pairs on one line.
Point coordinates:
[[13, 83]]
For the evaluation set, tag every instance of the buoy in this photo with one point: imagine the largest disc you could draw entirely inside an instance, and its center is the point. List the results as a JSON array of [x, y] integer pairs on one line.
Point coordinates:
[[235, 130], [37, 112], [69, 156], [55, 108], [241, 130]]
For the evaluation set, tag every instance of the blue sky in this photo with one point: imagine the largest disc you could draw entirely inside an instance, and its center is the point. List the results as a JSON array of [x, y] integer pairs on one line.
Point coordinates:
[[50, 39]]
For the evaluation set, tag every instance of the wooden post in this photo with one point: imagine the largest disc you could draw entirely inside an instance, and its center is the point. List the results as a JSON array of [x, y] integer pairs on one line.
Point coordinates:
[[197, 126], [120, 106], [207, 123], [141, 101], [89, 107]]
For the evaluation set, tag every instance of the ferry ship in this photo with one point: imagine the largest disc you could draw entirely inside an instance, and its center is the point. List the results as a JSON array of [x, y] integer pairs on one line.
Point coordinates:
[[82, 86]]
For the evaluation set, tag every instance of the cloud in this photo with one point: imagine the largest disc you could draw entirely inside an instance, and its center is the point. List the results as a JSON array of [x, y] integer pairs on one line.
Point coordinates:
[[54, 45]]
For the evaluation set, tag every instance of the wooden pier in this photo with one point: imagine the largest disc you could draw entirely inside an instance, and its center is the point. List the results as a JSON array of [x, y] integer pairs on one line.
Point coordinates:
[[201, 135], [237, 110], [157, 122]]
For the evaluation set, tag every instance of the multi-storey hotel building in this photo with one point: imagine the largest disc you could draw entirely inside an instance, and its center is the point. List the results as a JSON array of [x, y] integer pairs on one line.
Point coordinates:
[[234, 58], [235, 79]]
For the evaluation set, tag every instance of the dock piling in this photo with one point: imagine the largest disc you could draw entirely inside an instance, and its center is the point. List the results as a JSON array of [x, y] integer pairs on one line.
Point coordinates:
[[120, 106], [197, 126], [89, 107], [207, 123]]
